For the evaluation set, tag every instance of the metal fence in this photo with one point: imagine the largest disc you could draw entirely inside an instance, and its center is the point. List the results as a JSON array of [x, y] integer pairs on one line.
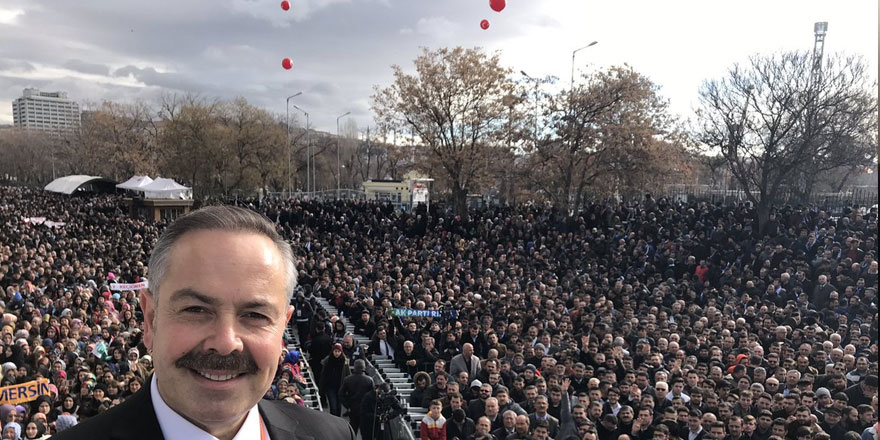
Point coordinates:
[[831, 202]]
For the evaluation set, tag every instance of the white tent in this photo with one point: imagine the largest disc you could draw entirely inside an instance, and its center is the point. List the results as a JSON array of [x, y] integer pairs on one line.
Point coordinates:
[[70, 184], [166, 189], [135, 183]]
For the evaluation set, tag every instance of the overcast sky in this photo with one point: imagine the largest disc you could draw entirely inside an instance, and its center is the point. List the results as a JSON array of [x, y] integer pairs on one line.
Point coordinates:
[[128, 50]]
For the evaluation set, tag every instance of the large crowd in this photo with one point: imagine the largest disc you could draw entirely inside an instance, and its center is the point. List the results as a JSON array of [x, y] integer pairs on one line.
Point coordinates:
[[650, 320]]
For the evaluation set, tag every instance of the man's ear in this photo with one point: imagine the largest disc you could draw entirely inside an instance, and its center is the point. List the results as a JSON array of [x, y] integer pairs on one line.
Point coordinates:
[[289, 314], [148, 306]]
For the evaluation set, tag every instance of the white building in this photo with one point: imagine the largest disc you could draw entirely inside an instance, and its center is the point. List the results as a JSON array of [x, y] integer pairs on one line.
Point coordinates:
[[45, 111]]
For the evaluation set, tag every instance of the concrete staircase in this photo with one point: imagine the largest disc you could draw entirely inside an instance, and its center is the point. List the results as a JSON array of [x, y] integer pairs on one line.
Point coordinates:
[[384, 366], [310, 395]]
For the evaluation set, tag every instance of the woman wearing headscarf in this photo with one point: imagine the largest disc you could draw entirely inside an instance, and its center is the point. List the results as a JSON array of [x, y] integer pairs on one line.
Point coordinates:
[[35, 431], [5, 410], [12, 353], [64, 421], [12, 431], [44, 405], [69, 405]]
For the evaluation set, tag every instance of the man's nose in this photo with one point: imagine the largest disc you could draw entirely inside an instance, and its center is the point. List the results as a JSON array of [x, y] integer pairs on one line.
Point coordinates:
[[224, 337]]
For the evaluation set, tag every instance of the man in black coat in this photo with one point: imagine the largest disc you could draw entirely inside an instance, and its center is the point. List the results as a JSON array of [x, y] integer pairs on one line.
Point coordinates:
[[214, 316], [353, 390]]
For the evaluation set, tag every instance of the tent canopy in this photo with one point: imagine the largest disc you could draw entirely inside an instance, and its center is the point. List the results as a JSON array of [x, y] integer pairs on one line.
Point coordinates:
[[79, 183], [135, 183], [162, 188]]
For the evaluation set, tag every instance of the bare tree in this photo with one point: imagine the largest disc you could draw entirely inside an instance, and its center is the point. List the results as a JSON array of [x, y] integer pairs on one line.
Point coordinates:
[[775, 120]]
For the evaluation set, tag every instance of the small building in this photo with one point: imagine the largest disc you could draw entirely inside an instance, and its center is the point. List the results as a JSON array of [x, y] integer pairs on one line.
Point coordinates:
[[396, 192], [158, 209], [413, 189], [160, 199]]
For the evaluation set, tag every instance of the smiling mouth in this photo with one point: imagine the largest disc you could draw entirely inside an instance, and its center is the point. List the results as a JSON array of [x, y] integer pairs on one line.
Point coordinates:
[[217, 377]]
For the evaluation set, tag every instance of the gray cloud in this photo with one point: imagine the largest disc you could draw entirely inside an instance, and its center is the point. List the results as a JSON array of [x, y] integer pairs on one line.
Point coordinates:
[[16, 65], [84, 67]]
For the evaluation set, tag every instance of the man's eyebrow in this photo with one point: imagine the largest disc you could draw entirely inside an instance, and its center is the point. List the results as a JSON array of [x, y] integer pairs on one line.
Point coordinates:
[[189, 293]]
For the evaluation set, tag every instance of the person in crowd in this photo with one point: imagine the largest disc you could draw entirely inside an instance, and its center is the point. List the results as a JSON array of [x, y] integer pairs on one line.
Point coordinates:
[[725, 313]]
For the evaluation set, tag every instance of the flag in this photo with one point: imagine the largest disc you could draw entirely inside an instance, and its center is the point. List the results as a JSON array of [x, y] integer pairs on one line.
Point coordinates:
[[100, 351]]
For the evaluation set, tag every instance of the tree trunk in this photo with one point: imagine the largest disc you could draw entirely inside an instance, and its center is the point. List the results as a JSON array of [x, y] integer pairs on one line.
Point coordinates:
[[459, 198], [763, 209]]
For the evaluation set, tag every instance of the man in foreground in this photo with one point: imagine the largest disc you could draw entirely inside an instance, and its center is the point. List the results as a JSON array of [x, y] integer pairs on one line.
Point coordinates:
[[214, 316]]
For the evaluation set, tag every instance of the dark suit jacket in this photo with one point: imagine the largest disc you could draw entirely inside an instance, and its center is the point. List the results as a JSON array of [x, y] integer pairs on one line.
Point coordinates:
[[135, 419]]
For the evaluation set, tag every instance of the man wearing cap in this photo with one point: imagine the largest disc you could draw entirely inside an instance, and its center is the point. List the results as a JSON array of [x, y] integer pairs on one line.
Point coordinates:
[[214, 317], [862, 392], [477, 407]]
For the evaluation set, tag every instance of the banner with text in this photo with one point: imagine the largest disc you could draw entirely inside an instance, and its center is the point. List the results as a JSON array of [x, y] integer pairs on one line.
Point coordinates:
[[24, 392], [416, 313], [130, 286]]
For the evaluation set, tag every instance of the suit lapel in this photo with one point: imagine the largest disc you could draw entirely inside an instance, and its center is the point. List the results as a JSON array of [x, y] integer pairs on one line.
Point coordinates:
[[280, 426], [138, 421]]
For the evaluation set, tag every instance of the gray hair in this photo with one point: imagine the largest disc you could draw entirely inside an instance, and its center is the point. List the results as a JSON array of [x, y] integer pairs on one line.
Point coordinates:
[[222, 218]]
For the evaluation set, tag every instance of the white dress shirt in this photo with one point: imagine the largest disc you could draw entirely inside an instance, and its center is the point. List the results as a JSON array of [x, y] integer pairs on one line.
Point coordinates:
[[175, 427]]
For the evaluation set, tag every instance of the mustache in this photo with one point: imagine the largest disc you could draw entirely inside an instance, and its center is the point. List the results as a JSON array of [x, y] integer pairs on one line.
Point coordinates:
[[238, 361]]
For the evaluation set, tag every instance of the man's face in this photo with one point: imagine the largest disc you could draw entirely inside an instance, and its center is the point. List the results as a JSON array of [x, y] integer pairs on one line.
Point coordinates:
[[509, 419], [485, 391], [735, 427], [694, 423], [832, 418], [215, 328], [455, 402], [541, 404], [491, 408], [541, 433], [483, 426], [778, 430], [661, 390], [522, 424]]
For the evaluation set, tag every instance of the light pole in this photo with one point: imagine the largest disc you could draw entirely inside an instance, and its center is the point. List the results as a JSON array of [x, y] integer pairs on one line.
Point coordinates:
[[573, 53], [308, 150], [338, 168], [289, 180]]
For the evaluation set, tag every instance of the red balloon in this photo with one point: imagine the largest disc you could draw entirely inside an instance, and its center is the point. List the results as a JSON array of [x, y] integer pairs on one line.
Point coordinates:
[[497, 5], [484, 24], [285, 5], [287, 63]]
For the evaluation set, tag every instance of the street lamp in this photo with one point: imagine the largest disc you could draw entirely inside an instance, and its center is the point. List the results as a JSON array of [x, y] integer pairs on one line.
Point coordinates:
[[308, 150], [572, 60], [289, 153], [338, 168]]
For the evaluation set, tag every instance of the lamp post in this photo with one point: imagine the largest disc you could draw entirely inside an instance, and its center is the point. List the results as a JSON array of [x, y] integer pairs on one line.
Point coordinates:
[[338, 168], [308, 150], [573, 53], [289, 153]]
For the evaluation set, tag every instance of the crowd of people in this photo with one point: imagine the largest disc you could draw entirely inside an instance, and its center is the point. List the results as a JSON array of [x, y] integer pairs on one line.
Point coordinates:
[[654, 320], [651, 320]]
